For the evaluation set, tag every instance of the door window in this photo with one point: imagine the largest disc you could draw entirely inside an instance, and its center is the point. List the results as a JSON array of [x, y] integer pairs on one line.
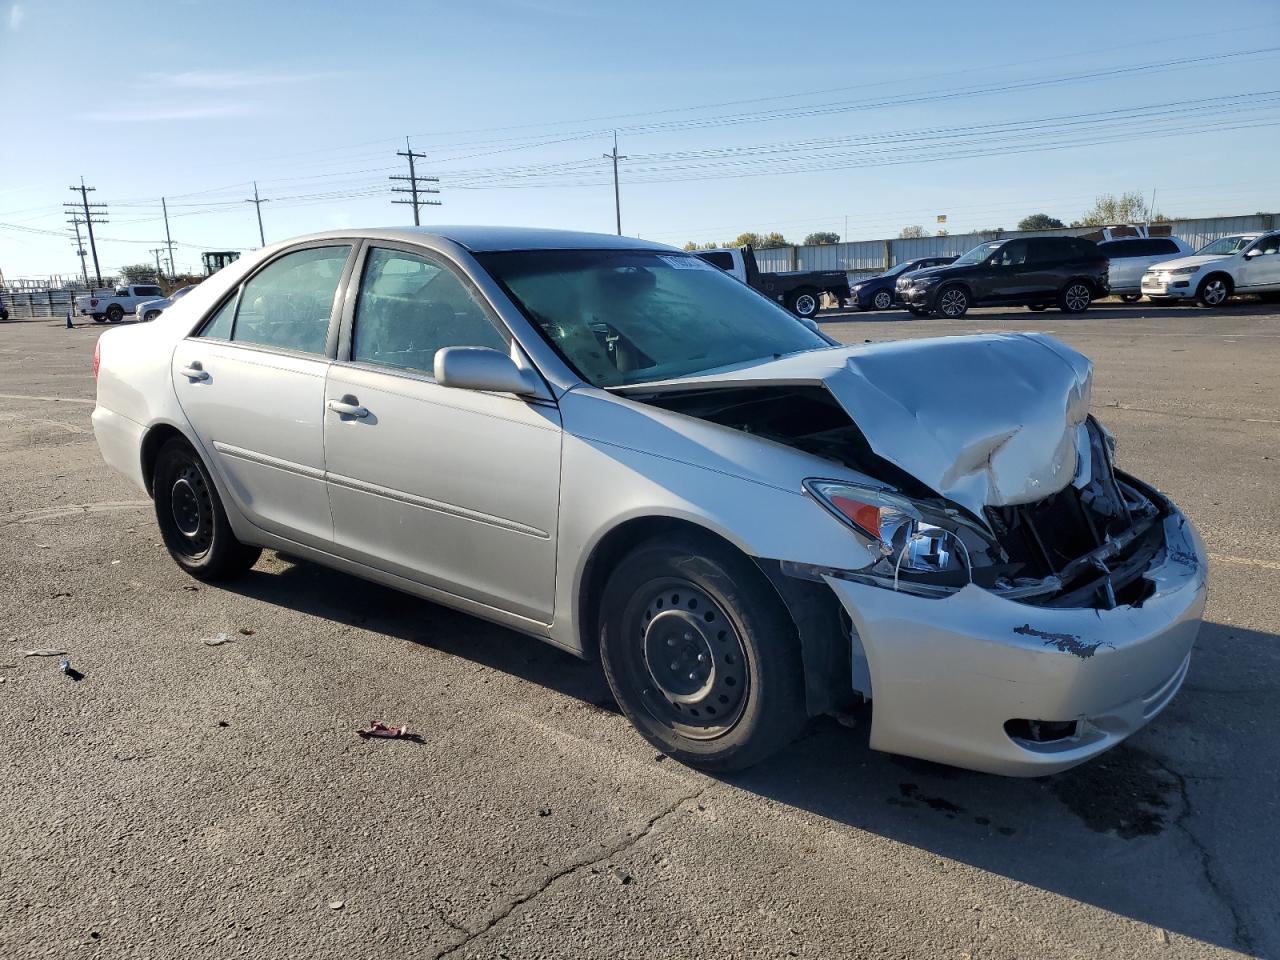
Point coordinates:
[[1012, 254], [219, 325], [1269, 245], [409, 307], [288, 304]]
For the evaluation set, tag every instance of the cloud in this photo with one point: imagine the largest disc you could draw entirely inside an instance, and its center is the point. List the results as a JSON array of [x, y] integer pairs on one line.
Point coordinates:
[[167, 114], [16, 16], [225, 79]]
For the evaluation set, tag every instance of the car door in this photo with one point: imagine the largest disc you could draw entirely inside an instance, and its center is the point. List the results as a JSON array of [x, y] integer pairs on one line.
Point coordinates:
[[455, 489], [1008, 282], [1261, 268], [251, 383]]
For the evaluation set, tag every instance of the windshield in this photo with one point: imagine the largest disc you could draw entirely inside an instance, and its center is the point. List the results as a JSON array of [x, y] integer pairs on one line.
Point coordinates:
[[630, 316], [894, 271], [1225, 246], [979, 253]]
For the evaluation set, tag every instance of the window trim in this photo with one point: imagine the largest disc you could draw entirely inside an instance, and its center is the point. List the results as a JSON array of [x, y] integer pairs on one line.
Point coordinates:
[[346, 329], [356, 245]]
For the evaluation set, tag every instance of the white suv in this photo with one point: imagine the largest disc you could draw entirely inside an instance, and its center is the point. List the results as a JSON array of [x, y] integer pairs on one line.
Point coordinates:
[[1131, 257], [1241, 263]]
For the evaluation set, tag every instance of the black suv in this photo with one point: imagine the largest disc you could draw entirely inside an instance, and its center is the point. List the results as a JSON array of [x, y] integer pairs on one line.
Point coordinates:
[[1031, 271]]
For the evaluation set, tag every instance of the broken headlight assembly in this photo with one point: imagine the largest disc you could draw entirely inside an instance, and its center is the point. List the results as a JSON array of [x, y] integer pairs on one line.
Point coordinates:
[[919, 548]]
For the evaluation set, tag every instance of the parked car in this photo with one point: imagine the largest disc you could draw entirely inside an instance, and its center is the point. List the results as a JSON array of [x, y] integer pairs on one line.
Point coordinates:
[[1030, 271], [1131, 257], [150, 309], [615, 447], [113, 307], [1242, 263], [878, 293], [800, 291]]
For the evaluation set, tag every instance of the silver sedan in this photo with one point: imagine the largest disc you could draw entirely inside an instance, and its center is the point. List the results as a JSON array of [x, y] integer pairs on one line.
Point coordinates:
[[615, 447]]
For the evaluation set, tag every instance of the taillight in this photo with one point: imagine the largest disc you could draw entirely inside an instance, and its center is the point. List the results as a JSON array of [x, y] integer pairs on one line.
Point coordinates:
[[97, 358], [93, 302]]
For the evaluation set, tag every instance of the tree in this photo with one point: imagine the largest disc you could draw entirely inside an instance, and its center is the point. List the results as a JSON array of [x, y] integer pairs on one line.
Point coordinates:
[[772, 240], [822, 236], [1040, 221], [139, 273], [911, 233], [1110, 210], [748, 239]]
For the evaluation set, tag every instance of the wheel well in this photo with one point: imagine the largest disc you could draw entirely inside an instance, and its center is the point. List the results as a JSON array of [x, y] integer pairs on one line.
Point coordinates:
[[1231, 285], [605, 556], [801, 291], [955, 283], [1093, 287], [156, 438]]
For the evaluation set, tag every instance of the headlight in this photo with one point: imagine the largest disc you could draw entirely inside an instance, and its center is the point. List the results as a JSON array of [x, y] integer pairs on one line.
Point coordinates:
[[908, 539], [858, 286], [927, 281], [1181, 271]]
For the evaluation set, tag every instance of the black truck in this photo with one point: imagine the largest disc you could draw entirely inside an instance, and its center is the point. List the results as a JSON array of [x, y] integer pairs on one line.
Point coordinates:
[[800, 291]]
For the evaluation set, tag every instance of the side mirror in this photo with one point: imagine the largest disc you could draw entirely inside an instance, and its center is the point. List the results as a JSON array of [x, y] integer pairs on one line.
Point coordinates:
[[483, 368], [1255, 252]]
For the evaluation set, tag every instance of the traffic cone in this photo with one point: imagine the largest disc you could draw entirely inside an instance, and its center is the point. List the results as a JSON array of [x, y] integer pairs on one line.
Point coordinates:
[[70, 325]]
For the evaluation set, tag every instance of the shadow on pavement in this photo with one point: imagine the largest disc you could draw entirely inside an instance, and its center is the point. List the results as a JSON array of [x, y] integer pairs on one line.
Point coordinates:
[[1108, 833]]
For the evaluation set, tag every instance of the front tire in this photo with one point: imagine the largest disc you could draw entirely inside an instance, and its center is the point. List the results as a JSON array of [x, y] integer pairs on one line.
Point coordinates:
[[883, 300], [1213, 290], [192, 520], [1075, 297], [1038, 307], [150, 315], [1130, 297], [918, 311], [701, 654], [952, 303], [804, 304]]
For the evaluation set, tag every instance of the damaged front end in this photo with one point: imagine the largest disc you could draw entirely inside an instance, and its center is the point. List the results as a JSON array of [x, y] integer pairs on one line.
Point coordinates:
[[1013, 602]]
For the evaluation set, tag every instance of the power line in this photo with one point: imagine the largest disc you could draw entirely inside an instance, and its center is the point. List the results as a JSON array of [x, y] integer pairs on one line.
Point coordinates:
[[415, 188]]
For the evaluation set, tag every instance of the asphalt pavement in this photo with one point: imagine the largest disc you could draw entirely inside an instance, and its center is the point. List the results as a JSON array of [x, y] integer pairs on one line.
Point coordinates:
[[187, 800]]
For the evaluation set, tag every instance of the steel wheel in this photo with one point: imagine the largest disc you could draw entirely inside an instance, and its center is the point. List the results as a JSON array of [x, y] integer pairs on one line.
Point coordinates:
[[805, 305], [953, 302], [1076, 298], [1214, 292], [192, 510], [882, 300], [696, 667]]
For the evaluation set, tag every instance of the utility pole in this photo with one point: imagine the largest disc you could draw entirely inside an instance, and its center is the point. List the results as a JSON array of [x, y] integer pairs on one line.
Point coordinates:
[[257, 202], [91, 211], [168, 239], [75, 222], [617, 202], [156, 251], [413, 189]]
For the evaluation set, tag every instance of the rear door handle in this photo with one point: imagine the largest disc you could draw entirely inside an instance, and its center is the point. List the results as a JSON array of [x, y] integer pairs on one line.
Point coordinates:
[[348, 407], [195, 371]]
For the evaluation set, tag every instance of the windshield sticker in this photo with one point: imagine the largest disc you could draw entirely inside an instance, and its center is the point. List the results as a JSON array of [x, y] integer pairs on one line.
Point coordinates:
[[687, 263]]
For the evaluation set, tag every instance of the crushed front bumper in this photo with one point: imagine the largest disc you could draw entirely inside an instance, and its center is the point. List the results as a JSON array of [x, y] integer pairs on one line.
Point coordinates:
[[946, 675]]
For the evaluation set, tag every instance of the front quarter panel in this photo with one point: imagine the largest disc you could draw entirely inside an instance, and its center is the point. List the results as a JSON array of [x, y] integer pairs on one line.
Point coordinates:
[[623, 460]]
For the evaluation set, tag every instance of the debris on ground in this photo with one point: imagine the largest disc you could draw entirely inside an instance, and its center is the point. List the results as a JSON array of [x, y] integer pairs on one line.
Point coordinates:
[[336, 904], [217, 641], [66, 667], [544, 811], [247, 632], [620, 876], [377, 728], [43, 652]]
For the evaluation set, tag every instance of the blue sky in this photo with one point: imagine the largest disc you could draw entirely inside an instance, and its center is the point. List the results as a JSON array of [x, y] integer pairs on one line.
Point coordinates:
[[735, 115]]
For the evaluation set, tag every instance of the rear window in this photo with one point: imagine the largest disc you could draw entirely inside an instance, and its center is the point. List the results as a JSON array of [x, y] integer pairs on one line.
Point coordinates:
[[722, 260]]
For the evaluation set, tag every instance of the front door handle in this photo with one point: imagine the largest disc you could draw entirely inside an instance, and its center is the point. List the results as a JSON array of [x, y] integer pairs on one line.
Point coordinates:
[[348, 406], [195, 372]]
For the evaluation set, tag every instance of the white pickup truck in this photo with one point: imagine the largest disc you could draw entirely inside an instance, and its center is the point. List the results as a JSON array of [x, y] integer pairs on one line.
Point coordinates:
[[113, 307]]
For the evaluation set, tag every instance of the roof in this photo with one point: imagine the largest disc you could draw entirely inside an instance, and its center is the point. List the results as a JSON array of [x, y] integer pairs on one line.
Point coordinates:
[[487, 239]]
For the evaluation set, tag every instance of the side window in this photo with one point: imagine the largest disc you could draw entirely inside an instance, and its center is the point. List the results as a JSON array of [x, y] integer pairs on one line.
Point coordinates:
[[1013, 254], [1116, 249], [722, 260], [288, 304], [409, 307], [1161, 245], [1269, 245], [219, 325]]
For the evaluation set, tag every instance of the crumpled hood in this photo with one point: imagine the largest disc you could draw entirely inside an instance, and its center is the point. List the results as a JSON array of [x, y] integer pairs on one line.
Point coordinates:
[[990, 420]]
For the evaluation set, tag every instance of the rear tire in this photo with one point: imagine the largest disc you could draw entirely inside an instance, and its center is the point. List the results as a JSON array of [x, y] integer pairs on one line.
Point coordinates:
[[192, 520], [115, 313], [1075, 297], [1214, 290], [1130, 297], [804, 303], [99, 318], [701, 654]]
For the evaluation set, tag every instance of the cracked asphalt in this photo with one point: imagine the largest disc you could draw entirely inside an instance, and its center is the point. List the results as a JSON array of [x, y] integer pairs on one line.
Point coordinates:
[[187, 800]]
